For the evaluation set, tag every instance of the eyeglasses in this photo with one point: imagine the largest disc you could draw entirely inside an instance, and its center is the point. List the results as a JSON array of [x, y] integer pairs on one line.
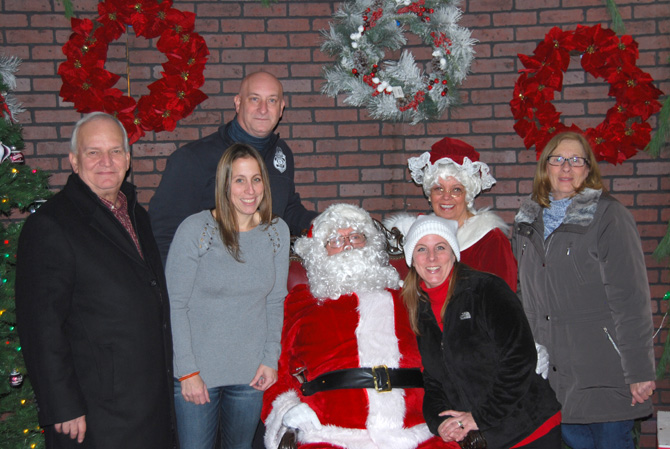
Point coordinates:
[[574, 161], [456, 192], [338, 241]]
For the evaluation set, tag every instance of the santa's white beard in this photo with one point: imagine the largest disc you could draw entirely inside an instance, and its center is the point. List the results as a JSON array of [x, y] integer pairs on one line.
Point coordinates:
[[357, 270]]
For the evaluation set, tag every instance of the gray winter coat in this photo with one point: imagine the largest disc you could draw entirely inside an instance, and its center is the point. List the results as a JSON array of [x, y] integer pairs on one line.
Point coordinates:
[[586, 295]]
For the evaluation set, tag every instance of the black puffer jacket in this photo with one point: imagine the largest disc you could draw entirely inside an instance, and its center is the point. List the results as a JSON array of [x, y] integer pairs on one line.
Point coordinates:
[[484, 362]]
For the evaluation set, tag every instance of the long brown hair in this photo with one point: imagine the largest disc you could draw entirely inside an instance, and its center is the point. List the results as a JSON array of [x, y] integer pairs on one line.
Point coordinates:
[[541, 182], [225, 211], [413, 294]]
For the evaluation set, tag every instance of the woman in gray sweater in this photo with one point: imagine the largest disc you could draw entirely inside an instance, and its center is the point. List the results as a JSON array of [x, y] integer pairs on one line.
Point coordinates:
[[226, 273]]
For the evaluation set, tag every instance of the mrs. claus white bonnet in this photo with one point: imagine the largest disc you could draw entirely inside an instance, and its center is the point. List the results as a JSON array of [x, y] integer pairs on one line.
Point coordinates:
[[455, 158]]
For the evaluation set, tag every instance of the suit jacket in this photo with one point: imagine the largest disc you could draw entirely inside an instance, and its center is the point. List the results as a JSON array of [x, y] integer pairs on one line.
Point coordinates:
[[94, 322]]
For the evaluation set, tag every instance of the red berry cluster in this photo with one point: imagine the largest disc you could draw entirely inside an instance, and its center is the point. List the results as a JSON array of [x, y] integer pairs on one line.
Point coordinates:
[[418, 98], [371, 22], [368, 79], [418, 9], [441, 40], [372, 74], [436, 81]]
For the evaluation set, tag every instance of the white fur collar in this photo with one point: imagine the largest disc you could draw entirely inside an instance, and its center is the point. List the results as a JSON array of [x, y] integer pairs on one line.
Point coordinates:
[[477, 226], [470, 233], [580, 212]]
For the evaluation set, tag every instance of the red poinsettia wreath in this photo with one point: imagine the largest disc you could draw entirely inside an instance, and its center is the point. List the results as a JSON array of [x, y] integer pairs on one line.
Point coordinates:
[[603, 55], [89, 86]]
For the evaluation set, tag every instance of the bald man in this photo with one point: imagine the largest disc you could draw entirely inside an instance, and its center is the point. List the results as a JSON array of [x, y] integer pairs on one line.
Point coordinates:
[[187, 185]]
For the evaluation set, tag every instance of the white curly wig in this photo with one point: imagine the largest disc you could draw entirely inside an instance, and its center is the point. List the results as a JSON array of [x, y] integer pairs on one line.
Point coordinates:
[[475, 176], [361, 270]]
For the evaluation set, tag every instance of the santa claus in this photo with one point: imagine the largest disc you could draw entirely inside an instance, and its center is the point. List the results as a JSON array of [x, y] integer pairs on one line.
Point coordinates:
[[349, 371]]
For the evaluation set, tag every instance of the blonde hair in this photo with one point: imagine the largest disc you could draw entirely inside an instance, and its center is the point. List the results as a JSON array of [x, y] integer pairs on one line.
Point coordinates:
[[541, 182], [413, 294], [225, 211]]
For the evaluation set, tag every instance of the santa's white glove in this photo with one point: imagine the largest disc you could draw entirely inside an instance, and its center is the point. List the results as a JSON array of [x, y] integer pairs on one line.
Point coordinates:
[[301, 417], [542, 367]]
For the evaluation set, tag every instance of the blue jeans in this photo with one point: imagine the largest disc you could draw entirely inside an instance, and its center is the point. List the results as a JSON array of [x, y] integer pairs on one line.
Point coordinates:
[[605, 435], [234, 409]]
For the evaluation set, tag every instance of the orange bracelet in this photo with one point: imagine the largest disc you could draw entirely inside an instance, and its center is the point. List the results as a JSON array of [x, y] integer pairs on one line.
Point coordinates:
[[189, 375]]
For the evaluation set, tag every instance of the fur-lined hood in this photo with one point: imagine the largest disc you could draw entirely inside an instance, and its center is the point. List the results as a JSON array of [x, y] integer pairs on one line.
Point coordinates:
[[580, 212]]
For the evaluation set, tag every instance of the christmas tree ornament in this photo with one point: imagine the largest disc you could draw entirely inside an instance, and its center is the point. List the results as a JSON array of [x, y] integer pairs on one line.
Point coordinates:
[[15, 378], [361, 34], [90, 87], [604, 55], [6, 152], [16, 156]]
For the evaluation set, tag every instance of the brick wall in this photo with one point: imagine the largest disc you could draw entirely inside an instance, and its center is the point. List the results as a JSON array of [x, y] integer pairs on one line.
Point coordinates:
[[341, 154]]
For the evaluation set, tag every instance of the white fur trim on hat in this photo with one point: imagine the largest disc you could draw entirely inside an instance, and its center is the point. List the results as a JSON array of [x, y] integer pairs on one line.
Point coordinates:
[[427, 225]]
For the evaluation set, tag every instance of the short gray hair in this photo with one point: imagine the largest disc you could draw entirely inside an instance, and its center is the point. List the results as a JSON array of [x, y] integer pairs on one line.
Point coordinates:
[[97, 115]]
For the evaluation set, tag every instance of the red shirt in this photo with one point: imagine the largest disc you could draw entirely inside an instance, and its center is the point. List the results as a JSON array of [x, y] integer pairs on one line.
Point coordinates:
[[437, 297]]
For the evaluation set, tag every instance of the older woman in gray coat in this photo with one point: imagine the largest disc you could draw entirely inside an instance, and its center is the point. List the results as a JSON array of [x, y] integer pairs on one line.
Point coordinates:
[[583, 284]]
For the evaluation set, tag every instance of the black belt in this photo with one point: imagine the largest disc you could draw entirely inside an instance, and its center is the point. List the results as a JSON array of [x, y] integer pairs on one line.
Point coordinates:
[[380, 378]]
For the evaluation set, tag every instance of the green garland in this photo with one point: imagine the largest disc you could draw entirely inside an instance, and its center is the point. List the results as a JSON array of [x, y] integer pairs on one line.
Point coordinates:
[[617, 22]]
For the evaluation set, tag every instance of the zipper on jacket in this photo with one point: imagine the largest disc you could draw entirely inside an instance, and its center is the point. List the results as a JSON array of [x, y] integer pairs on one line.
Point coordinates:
[[547, 243], [616, 348]]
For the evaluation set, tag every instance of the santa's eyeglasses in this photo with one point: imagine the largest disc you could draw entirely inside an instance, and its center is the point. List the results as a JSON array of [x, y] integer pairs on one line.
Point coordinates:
[[338, 241]]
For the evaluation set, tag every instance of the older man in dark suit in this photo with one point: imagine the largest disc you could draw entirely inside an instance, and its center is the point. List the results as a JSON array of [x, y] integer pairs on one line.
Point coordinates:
[[92, 307]]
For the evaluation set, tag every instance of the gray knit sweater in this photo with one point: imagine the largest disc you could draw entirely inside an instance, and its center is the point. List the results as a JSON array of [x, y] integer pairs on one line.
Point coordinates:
[[226, 315]]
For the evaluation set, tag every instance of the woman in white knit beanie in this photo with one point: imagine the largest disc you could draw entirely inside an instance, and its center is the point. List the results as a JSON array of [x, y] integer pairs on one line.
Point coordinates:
[[477, 349]]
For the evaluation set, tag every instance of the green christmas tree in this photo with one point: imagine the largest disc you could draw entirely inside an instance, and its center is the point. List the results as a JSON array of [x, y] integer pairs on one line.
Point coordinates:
[[22, 189]]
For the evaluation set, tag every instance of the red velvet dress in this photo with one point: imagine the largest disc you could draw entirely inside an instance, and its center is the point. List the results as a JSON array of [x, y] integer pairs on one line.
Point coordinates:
[[353, 331], [485, 247]]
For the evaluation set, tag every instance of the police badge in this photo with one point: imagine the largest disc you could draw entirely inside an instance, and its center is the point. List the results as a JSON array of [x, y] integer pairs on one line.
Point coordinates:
[[280, 160]]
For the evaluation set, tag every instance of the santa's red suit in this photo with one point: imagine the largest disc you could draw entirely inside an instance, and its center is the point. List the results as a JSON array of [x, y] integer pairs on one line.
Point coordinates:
[[352, 331]]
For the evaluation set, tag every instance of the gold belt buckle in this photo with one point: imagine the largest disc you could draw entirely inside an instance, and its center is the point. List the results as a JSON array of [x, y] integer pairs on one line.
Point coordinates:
[[379, 386]]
